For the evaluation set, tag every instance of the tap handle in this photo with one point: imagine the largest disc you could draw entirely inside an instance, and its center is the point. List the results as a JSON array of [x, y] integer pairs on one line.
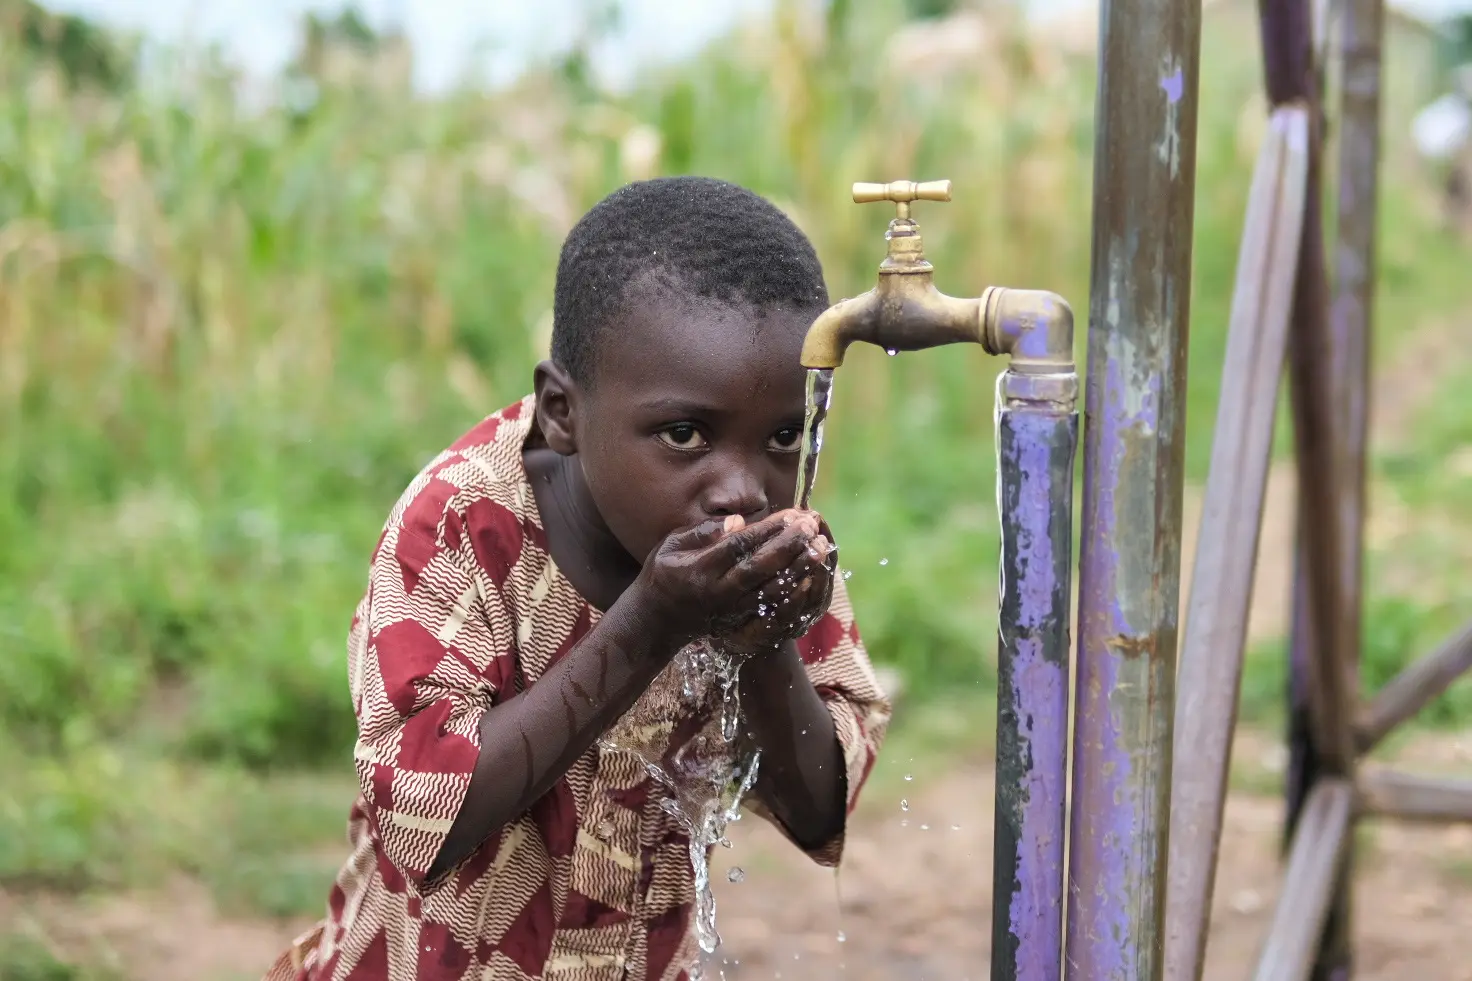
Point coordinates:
[[902, 193]]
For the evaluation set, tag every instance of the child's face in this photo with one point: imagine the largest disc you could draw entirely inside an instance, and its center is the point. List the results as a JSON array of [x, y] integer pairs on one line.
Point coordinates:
[[695, 412]]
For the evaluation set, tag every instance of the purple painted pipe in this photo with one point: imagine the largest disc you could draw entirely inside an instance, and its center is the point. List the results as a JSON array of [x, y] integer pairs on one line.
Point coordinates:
[[1035, 452]]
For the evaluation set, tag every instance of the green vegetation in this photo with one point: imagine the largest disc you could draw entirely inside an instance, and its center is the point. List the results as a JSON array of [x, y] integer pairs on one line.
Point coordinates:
[[230, 336]]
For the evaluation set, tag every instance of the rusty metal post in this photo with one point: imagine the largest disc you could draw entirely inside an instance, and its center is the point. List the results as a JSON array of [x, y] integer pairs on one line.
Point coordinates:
[[1129, 579], [1352, 313], [1351, 318], [1321, 689]]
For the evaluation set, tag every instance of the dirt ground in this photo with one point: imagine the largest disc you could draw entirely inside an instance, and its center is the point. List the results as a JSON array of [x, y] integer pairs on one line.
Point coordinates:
[[915, 895], [916, 888]]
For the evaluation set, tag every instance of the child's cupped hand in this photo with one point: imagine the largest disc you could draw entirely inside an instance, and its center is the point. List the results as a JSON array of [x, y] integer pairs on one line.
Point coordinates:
[[784, 606], [753, 586]]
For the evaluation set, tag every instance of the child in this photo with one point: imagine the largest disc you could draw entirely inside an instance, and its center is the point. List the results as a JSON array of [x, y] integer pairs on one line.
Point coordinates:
[[539, 577]]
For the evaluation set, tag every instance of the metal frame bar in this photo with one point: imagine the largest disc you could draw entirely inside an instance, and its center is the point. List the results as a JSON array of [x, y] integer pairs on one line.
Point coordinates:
[[1412, 797], [1315, 861], [1231, 521], [1129, 572], [1414, 688]]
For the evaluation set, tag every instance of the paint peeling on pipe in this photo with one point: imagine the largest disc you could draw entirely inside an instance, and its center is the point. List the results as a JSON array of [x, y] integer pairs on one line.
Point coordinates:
[[1035, 449], [1129, 576]]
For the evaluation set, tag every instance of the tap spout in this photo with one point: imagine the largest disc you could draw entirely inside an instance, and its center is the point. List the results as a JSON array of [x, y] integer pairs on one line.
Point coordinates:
[[903, 312], [897, 320]]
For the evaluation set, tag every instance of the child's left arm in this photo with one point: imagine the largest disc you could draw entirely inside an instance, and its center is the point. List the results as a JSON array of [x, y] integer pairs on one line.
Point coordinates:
[[814, 708]]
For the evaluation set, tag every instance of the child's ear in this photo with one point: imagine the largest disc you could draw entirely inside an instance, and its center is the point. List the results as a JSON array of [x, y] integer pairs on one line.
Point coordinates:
[[557, 400]]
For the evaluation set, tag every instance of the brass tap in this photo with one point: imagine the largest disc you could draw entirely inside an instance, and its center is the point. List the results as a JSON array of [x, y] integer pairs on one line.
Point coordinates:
[[905, 312]]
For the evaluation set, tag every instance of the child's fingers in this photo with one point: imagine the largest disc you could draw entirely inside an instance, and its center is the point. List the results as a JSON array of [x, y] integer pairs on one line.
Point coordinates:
[[739, 540], [704, 534], [772, 557]]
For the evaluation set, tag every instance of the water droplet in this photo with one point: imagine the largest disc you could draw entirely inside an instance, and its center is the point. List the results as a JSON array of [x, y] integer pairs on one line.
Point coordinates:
[[955, 827], [924, 827], [737, 874], [605, 830], [891, 351], [884, 561], [905, 823], [909, 777], [847, 574], [904, 804], [841, 937]]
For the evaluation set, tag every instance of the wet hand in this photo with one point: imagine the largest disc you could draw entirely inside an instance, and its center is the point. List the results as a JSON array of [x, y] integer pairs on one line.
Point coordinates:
[[707, 580], [785, 606]]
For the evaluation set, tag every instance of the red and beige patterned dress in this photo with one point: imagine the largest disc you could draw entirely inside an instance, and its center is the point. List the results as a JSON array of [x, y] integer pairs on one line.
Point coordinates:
[[594, 882]]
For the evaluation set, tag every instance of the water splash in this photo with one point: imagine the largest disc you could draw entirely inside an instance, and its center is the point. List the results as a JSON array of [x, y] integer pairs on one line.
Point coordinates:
[[819, 393], [706, 777]]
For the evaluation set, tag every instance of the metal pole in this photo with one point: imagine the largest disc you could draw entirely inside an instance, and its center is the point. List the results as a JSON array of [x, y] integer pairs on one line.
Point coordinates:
[[1129, 581], [1321, 685], [1352, 313]]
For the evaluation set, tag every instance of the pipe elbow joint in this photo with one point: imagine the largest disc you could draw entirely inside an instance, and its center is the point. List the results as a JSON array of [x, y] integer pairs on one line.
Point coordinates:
[[1034, 329]]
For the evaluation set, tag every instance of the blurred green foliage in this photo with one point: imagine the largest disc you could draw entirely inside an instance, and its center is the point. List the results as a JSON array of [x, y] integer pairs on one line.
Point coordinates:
[[230, 335]]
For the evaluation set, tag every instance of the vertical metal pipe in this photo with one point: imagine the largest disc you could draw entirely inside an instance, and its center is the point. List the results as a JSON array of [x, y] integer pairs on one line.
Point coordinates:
[[1035, 451], [1324, 629], [1129, 578]]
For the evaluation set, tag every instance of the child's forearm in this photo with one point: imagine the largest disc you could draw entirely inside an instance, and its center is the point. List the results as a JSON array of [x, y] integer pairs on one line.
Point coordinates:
[[529, 741], [801, 777]]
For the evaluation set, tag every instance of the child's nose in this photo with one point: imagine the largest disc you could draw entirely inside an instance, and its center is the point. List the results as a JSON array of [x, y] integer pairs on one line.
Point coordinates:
[[737, 491]]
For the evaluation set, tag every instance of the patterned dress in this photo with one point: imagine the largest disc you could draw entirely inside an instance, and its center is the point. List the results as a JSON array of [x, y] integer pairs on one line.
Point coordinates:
[[594, 882]]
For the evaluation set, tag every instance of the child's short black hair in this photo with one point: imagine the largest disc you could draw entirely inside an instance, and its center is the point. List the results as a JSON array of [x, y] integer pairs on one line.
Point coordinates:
[[697, 235]]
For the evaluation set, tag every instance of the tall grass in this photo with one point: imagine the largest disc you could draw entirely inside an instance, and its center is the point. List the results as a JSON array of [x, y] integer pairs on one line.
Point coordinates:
[[228, 338]]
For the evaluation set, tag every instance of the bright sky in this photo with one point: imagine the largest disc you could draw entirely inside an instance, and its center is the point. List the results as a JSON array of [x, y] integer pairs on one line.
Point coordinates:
[[446, 33]]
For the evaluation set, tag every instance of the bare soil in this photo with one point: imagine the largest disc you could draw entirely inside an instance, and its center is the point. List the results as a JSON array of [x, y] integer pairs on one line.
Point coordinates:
[[916, 887], [915, 895]]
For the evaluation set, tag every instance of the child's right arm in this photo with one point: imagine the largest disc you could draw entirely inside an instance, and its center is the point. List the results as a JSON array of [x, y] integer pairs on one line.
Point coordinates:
[[446, 759], [530, 740]]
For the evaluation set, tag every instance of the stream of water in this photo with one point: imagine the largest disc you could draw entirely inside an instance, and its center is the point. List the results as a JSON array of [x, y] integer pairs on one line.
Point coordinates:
[[704, 778], [819, 392]]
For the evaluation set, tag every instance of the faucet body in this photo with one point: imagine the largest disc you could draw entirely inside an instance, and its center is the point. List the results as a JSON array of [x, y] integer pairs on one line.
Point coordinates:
[[905, 312]]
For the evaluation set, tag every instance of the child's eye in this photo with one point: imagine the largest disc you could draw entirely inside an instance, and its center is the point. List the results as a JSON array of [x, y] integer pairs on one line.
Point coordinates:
[[682, 436], [785, 440]]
